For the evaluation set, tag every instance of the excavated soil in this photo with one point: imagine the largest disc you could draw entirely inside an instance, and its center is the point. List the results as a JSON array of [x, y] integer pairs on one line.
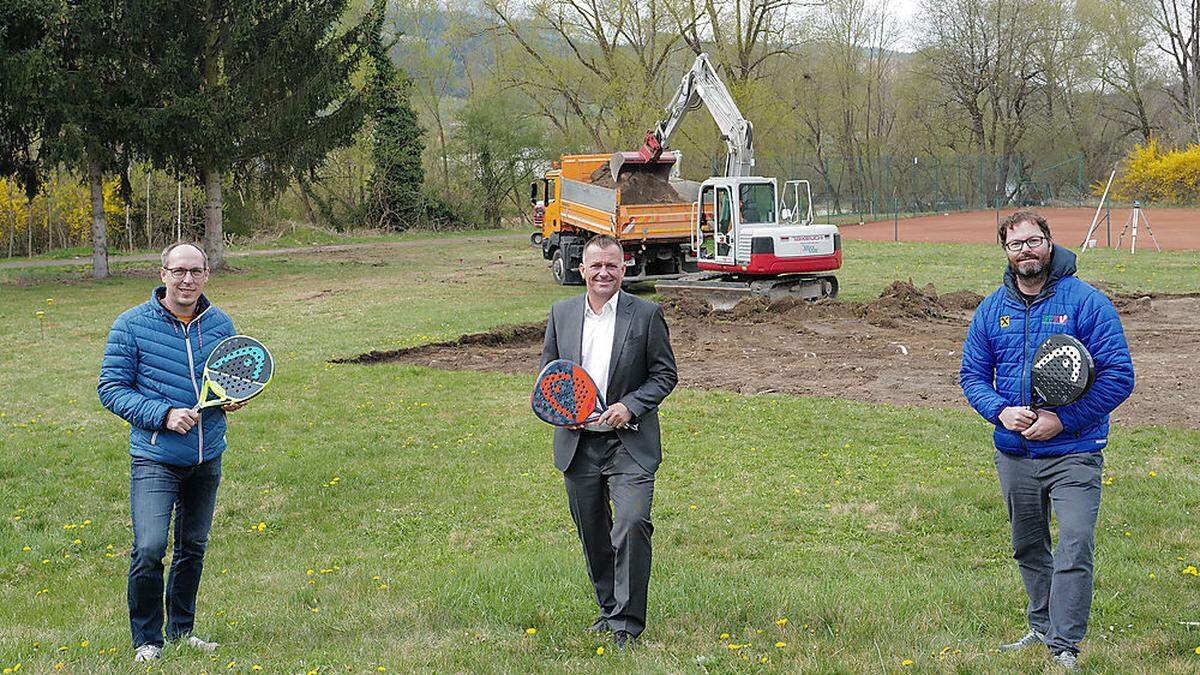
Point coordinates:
[[903, 348], [637, 187]]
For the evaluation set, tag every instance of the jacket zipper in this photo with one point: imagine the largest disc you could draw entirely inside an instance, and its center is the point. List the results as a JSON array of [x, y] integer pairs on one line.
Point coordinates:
[[1024, 355], [192, 374], [154, 438]]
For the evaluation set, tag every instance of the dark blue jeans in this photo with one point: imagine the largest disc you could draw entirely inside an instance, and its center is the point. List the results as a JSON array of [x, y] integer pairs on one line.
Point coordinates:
[[155, 490]]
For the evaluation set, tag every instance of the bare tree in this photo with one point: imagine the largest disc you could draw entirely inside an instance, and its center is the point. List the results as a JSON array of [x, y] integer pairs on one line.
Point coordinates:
[[1179, 20]]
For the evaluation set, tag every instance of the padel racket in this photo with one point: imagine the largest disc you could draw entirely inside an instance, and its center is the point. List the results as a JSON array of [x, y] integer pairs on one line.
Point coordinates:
[[237, 370], [1062, 372], [565, 395]]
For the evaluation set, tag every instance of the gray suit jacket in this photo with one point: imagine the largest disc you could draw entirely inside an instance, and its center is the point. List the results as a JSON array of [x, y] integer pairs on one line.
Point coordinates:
[[641, 371]]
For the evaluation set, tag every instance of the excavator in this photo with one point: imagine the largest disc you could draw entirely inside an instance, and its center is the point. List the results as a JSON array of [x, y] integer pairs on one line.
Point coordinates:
[[749, 238]]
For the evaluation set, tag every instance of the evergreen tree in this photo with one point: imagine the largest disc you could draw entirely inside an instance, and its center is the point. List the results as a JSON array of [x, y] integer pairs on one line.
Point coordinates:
[[396, 195], [270, 94], [29, 86]]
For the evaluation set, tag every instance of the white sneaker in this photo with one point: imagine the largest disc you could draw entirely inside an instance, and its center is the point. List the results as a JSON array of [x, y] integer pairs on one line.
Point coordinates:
[[196, 643], [1066, 660], [146, 652], [1028, 640]]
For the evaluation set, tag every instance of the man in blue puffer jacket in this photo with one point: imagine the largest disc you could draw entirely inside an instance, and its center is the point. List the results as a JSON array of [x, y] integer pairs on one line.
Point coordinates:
[[1048, 460], [151, 377]]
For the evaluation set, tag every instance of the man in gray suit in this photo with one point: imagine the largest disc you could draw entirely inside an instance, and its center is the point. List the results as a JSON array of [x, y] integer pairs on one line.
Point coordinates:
[[622, 342]]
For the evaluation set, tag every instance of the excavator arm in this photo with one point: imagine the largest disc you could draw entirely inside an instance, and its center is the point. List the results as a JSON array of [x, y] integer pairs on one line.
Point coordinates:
[[699, 86]]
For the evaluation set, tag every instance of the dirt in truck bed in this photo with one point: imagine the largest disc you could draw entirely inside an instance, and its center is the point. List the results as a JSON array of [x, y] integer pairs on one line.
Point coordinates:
[[903, 348], [637, 186]]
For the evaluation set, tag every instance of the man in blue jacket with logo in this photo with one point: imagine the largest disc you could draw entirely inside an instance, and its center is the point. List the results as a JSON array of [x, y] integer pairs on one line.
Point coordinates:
[[1048, 460], [151, 377]]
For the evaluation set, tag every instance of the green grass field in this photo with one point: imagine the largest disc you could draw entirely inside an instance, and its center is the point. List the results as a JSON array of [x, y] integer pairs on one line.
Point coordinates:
[[400, 518]]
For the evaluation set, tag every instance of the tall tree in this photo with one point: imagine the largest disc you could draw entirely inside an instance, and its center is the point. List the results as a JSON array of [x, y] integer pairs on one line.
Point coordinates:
[[271, 94], [397, 146]]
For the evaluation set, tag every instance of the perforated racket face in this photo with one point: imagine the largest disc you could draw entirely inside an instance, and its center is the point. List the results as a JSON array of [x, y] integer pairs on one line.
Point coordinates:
[[241, 366], [563, 394], [1062, 371]]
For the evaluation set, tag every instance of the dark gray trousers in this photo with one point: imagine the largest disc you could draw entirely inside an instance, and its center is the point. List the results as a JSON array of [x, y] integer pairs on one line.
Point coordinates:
[[617, 549], [1059, 585]]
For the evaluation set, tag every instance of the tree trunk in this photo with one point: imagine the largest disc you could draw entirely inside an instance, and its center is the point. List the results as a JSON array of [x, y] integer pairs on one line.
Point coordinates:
[[214, 226], [99, 224], [29, 229]]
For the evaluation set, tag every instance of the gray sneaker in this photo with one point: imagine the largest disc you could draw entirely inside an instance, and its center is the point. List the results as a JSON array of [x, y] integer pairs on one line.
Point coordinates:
[[196, 643], [1066, 660], [146, 652], [1030, 639]]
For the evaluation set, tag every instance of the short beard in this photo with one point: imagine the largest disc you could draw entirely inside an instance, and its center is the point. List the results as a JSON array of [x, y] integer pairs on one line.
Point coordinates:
[[1034, 272]]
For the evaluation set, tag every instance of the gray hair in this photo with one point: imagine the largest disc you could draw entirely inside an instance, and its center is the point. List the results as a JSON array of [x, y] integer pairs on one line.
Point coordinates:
[[167, 251]]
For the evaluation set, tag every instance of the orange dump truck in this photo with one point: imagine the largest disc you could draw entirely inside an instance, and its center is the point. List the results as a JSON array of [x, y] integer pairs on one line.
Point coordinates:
[[650, 212]]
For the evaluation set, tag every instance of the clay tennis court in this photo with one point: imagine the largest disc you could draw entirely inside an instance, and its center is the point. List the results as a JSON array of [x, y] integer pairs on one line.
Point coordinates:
[[1176, 229]]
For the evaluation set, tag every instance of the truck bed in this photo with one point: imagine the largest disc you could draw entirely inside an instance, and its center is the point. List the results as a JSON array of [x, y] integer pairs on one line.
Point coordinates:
[[599, 209]]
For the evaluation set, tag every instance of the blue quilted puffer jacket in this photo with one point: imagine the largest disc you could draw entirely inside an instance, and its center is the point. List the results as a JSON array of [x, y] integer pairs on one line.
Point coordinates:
[[1005, 333], [153, 363]]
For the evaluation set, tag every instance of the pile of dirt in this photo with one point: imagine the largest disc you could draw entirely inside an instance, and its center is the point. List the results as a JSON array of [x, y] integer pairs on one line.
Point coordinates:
[[637, 187], [901, 301]]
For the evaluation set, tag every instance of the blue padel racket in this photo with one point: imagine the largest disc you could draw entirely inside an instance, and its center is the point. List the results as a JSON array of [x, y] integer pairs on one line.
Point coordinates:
[[237, 370], [1062, 372], [565, 395]]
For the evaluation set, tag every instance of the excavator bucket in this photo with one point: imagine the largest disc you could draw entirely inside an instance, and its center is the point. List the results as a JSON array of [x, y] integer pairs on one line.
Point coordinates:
[[641, 161]]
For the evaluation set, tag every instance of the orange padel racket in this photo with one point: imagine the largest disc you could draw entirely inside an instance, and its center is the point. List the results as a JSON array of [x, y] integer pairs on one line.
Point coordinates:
[[565, 395]]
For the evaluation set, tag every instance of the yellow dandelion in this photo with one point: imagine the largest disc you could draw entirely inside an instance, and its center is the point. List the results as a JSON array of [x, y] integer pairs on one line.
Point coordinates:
[[600, 650], [230, 665], [83, 644], [310, 572], [1154, 474], [50, 301], [87, 522], [60, 665], [1198, 650], [381, 669], [62, 648], [724, 636], [25, 549], [781, 622], [780, 645], [764, 659], [1191, 569], [906, 662], [531, 630]]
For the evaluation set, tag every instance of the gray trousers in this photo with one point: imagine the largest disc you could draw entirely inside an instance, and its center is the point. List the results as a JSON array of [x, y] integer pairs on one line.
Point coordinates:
[[1059, 585], [617, 550]]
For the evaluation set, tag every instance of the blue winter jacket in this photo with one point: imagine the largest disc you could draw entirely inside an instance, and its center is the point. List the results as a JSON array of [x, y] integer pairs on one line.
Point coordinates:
[[1005, 333], [153, 363]]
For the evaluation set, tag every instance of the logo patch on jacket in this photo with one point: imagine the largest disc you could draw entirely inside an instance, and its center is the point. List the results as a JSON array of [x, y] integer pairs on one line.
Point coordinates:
[[1054, 318], [1005, 321]]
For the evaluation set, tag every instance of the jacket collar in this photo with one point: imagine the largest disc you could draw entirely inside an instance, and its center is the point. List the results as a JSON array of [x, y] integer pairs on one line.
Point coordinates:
[[1062, 265]]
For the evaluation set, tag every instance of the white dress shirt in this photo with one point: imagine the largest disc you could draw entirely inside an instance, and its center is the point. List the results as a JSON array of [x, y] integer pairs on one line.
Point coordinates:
[[596, 348]]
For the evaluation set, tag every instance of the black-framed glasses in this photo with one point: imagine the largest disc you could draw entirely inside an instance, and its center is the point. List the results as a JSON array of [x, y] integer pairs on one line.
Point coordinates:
[[179, 273], [1032, 242]]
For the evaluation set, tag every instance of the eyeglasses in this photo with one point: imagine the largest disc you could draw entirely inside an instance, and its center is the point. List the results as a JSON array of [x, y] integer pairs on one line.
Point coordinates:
[[178, 273], [1018, 244]]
